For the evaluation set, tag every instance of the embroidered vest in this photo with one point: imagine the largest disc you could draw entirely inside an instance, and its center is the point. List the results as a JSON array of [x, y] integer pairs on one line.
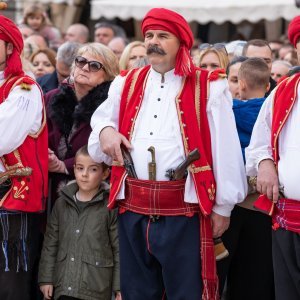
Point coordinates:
[[191, 109], [27, 193]]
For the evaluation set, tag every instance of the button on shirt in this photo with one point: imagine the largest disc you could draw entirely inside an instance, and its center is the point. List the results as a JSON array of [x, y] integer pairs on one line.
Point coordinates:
[[163, 132], [288, 146], [20, 115]]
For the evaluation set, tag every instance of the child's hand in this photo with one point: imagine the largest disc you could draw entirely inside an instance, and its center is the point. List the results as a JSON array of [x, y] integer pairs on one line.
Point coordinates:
[[118, 296], [47, 291]]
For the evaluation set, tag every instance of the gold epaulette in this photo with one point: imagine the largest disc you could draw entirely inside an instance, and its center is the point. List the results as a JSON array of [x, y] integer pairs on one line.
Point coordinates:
[[25, 86]]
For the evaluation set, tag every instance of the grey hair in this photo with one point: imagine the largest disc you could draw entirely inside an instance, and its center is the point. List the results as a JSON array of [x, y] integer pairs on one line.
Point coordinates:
[[67, 52]]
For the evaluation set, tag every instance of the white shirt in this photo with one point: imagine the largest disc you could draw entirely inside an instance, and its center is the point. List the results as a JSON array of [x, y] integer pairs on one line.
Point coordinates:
[[20, 115], [288, 147], [157, 125]]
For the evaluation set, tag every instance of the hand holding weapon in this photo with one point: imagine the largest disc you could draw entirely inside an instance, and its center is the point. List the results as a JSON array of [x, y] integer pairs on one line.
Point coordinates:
[[128, 162]]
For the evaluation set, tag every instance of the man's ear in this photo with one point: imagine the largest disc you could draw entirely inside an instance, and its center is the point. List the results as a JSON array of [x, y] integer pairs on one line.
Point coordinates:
[[9, 48], [268, 87]]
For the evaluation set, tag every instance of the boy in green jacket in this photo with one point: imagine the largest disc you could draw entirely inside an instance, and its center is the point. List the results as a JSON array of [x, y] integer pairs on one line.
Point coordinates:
[[80, 256]]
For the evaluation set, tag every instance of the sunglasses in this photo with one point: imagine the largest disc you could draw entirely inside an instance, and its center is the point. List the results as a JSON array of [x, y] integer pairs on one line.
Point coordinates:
[[217, 46], [94, 66]]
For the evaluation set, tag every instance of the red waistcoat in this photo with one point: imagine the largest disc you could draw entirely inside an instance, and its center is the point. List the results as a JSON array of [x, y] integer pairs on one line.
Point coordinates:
[[284, 100], [191, 109], [27, 193]]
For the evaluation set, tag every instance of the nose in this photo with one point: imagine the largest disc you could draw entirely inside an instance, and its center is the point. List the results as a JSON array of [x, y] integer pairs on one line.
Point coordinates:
[[84, 172], [86, 67], [154, 40]]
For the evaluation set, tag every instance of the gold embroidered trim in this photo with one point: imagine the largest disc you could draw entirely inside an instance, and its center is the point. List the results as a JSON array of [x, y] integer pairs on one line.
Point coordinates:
[[195, 169], [197, 96], [211, 192], [19, 192], [133, 82]]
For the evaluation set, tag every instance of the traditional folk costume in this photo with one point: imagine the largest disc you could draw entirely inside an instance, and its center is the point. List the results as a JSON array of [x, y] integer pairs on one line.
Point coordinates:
[[276, 137], [249, 236], [164, 226], [23, 169]]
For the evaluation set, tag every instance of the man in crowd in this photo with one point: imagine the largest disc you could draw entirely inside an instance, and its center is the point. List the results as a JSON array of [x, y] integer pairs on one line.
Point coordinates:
[[105, 32], [23, 167], [161, 108], [78, 33], [261, 49], [273, 155], [64, 59]]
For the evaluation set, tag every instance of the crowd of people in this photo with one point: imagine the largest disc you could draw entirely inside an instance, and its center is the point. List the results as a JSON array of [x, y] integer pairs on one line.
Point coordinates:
[[79, 220]]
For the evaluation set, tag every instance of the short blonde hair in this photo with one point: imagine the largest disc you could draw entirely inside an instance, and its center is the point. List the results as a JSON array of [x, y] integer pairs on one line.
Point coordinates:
[[221, 53], [124, 59], [109, 59]]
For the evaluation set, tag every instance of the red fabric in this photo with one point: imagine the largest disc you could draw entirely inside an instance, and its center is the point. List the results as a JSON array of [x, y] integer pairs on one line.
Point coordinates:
[[264, 205], [170, 21], [200, 138], [294, 31], [216, 74], [9, 32], [28, 193], [165, 198], [287, 215]]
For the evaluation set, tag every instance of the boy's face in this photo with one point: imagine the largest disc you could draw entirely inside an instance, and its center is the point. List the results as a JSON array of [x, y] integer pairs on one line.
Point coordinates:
[[88, 174], [35, 21]]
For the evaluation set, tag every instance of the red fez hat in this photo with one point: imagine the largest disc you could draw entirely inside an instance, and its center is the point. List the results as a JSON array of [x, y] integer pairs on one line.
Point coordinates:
[[10, 33], [294, 31], [168, 20]]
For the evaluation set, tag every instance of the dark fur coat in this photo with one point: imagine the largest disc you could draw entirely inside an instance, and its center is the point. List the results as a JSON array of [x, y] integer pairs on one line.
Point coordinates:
[[64, 110]]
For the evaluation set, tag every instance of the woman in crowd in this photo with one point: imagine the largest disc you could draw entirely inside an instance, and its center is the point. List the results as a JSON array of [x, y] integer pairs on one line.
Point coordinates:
[[70, 110], [43, 62], [132, 52], [213, 57]]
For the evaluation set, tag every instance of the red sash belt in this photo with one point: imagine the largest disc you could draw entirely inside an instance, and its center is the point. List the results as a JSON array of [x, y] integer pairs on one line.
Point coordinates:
[[164, 198], [287, 215]]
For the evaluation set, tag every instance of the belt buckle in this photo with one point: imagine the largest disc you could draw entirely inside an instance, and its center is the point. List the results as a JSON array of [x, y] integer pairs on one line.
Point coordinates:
[[154, 218]]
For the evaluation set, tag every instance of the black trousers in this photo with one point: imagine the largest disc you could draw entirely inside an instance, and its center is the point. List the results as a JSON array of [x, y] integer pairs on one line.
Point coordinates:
[[159, 259], [17, 283], [248, 268], [286, 259]]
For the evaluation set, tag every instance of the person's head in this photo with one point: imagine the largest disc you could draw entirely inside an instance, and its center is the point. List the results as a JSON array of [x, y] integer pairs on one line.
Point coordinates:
[[104, 33], [65, 57], [25, 30], [213, 57], [78, 33], [35, 16], [294, 34], [275, 46], [259, 48], [94, 64], [43, 62], [37, 40], [280, 68], [292, 57], [132, 52], [254, 78], [11, 46], [168, 40], [88, 173], [117, 45], [232, 75], [284, 50]]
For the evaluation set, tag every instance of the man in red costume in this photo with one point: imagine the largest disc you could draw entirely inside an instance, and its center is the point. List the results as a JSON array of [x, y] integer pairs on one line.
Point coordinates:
[[166, 227], [23, 167], [273, 155]]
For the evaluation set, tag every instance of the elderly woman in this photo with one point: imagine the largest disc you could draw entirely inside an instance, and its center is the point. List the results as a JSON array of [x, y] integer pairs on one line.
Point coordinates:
[[132, 53], [70, 110], [213, 57]]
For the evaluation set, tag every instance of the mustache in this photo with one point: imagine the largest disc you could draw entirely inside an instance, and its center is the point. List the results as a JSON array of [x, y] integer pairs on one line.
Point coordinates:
[[155, 49]]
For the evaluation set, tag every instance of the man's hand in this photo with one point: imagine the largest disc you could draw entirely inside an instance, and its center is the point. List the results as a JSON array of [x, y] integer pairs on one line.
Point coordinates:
[[267, 180], [47, 291], [110, 141], [54, 164], [219, 224]]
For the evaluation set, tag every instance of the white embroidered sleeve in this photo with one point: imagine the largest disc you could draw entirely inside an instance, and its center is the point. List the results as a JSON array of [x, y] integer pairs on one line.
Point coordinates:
[[228, 165], [20, 115], [107, 114], [260, 144]]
